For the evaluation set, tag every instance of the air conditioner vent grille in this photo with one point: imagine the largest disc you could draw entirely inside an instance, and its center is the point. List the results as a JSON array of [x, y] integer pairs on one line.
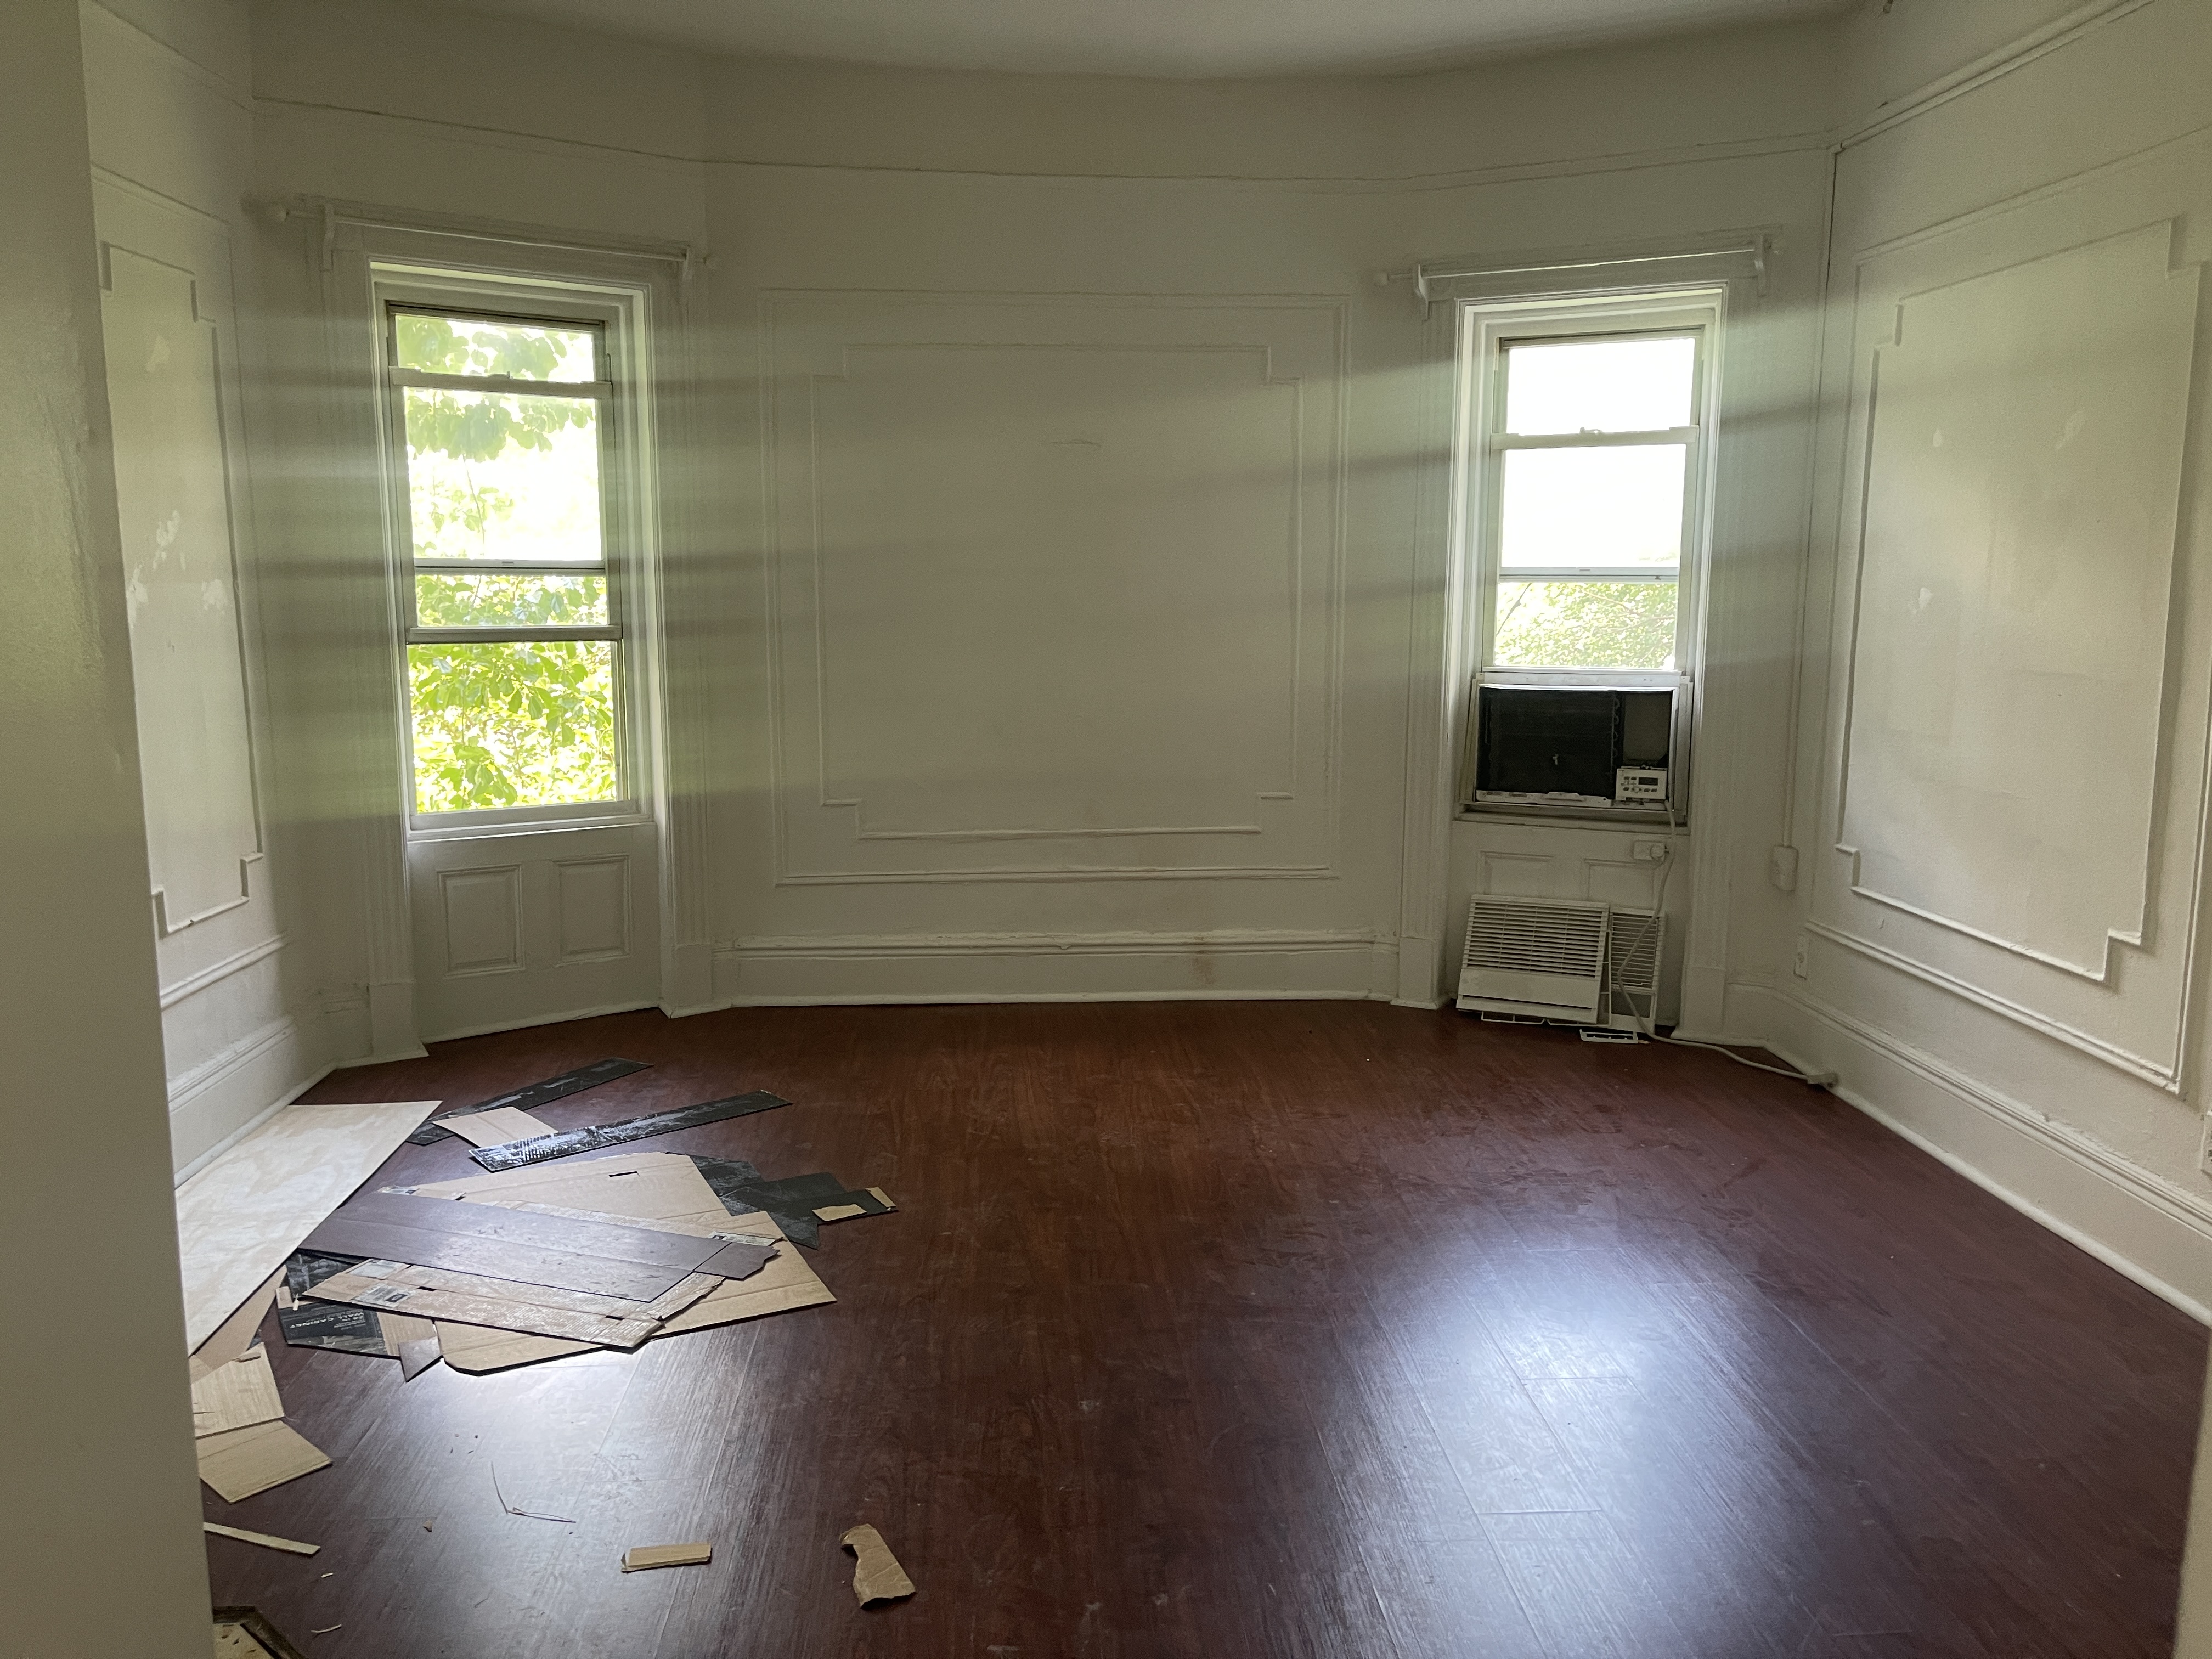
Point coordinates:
[[1538, 937], [1633, 951]]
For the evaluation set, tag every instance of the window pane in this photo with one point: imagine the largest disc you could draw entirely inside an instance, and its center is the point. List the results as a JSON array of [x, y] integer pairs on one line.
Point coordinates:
[[515, 601], [491, 477], [523, 725], [1585, 625], [1599, 386], [1585, 509], [471, 345]]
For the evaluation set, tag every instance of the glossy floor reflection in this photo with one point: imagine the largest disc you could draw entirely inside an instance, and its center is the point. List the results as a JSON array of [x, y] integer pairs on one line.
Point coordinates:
[[1311, 1329]]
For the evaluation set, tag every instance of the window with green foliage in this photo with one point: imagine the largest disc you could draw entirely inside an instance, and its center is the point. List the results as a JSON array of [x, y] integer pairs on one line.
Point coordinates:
[[513, 638], [1590, 468]]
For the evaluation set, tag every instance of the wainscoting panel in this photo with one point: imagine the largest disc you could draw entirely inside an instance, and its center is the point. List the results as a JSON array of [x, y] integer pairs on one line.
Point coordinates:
[[1056, 586], [174, 487], [2018, 562]]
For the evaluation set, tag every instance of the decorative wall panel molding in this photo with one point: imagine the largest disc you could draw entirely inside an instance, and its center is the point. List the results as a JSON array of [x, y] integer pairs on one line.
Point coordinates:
[[592, 902], [2020, 601], [1055, 586], [482, 914], [2016, 554], [173, 470]]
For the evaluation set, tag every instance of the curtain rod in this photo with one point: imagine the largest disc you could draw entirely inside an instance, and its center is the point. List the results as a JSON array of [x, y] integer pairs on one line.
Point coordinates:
[[1422, 274], [332, 215]]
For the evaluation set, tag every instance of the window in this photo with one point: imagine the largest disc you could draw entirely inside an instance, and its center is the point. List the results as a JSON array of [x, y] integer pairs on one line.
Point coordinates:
[[1586, 481], [504, 457]]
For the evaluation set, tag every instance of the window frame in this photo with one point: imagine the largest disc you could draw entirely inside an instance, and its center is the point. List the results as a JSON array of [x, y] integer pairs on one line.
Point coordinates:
[[1486, 328], [612, 315]]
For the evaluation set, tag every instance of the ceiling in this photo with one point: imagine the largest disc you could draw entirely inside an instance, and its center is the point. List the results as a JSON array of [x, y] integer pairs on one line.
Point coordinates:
[[1181, 39]]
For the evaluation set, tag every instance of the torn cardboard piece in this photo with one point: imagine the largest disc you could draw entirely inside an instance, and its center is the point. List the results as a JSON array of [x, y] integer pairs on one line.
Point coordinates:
[[418, 1356], [497, 1127], [644, 1557], [242, 1215], [236, 1396], [535, 1094], [268, 1541], [570, 1141], [844, 1206], [877, 1575], [236, 1333], [243, 1462]]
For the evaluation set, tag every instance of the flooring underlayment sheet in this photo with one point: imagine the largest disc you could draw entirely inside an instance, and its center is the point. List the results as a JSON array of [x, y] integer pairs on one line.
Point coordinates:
[[240, 1217]]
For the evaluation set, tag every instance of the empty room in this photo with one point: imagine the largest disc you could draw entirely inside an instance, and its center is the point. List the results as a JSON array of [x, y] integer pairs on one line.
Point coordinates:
[[1171, 829]]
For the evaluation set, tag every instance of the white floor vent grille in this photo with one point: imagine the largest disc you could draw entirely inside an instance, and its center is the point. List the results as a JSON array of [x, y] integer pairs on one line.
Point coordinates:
[[1545, 957]]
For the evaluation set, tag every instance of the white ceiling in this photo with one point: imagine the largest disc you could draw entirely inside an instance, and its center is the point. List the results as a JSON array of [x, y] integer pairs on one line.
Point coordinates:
[[1173, 38]]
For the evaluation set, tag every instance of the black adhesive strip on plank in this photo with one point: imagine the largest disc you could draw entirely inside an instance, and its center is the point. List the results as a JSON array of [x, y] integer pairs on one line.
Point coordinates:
[[335, 1325], [516, 1154], [733, 1178], [605, 1258], [537, 1094]]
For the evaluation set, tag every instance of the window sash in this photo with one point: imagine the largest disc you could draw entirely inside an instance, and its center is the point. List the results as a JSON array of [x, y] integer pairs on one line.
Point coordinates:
[[609, 435], [1492, 444], [600, 392]]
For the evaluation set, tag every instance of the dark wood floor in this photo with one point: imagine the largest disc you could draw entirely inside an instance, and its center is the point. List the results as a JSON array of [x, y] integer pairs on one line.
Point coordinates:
[[1326, 1330]]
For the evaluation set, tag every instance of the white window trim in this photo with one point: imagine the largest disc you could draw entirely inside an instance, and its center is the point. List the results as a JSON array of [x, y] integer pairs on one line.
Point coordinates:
[[618, 310], [1483, 328]]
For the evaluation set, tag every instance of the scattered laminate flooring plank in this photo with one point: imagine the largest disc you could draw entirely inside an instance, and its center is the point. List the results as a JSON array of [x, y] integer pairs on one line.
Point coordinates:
[[267, 1540]]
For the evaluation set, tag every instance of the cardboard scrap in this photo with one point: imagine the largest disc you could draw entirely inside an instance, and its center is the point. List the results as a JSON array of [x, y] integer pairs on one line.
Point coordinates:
[[643, 1189], [240, 1463], [269, 1542], [399, 1330], [236, 1396], [496, 1127], [845, 1205], [418, 1356], [877, 1575], [230, 1339], [644, 1557]]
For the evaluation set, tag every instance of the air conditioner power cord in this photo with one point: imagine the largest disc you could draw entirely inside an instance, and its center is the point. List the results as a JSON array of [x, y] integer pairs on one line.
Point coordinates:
[[1816, 1080]]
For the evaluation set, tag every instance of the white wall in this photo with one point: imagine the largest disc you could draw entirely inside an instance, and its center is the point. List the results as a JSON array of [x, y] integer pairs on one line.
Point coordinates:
[[101, 1551], [169, 93], [2001, 799], [1060, 575]]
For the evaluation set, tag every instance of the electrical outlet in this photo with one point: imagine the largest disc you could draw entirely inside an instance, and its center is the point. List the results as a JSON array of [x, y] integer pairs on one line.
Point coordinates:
[[1800, 963], [1651, 851]]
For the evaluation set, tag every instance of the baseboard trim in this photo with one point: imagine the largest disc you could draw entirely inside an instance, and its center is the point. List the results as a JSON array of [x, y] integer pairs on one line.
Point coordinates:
[[1227, 965], [2136, 1223], [225, 1098]]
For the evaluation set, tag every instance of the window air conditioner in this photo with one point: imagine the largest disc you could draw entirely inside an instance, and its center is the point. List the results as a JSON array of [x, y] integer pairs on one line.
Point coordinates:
[[1539, 958]]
